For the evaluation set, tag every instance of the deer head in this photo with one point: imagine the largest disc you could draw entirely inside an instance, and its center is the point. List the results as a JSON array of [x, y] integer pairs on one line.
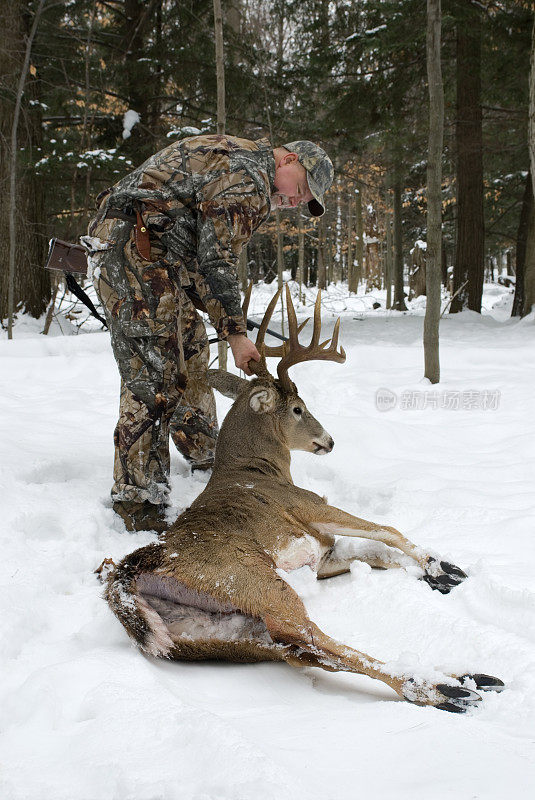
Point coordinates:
[[268, 418]]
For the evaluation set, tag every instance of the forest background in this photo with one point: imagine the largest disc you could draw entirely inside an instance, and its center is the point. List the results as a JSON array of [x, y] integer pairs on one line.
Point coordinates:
[[109, 82]]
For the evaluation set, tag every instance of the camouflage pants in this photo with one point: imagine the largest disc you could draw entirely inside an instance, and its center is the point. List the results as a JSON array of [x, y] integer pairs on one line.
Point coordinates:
[[162, 351]]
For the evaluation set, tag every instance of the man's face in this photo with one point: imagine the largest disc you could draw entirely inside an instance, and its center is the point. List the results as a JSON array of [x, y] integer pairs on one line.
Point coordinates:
[[291, 183]]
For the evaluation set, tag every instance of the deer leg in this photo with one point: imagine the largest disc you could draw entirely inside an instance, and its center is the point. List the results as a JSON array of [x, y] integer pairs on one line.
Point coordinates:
[[304, 644], [331, 565], [440, 575], [337, 561], [252, 585]]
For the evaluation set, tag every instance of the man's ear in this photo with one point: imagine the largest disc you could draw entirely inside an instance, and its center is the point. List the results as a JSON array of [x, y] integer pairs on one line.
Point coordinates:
[[263, 399], [226, 383], [290, 158]]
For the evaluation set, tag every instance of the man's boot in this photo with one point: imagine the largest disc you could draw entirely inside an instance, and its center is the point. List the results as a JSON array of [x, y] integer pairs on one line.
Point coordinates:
[[142, 516]]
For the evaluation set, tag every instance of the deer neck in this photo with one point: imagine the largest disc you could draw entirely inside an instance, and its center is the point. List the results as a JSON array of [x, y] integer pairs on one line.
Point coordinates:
[[251, 449]]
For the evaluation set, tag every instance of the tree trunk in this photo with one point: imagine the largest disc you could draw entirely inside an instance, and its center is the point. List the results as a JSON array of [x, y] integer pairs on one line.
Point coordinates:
[[444, 265], [434, 193], [418, 272], [399, 291], [23, 281], [529, 266], [469, 260], [374, 278], [388, 260], [350, 257], [510, 270], [531, 126], [359, 268], [526, 213]]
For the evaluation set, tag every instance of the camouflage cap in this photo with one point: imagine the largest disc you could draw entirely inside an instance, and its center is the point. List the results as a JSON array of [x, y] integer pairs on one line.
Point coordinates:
[[320, 171]]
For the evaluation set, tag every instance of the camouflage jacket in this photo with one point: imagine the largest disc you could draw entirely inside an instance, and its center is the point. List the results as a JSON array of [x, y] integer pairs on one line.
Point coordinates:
[[201, 199]]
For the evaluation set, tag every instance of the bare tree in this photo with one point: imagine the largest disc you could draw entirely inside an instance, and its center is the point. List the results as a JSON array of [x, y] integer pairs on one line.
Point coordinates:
[[434, 193]]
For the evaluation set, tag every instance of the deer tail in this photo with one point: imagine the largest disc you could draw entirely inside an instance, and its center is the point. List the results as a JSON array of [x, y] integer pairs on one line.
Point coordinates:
[[142, 623]]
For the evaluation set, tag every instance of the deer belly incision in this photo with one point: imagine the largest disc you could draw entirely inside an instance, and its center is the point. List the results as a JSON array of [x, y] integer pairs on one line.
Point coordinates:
[[193, 615], [302, 551]]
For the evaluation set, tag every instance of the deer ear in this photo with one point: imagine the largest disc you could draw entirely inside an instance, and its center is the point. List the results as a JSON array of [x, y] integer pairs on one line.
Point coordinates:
[[263, 399], [226, 383]]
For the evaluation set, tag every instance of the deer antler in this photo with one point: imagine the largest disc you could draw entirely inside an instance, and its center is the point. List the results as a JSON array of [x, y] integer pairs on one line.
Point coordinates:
[[291, 352], [260, 367], [268, 350], [294, 353], [246, 301]]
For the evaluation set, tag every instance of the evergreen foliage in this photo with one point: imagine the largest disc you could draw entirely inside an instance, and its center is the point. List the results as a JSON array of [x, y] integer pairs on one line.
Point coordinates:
[[347, 74]]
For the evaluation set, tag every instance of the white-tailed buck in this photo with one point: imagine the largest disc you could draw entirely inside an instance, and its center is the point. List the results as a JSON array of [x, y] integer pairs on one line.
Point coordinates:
[[209, 587]]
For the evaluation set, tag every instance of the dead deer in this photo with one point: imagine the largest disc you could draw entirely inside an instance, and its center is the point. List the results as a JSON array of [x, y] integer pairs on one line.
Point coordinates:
[[209, 587]]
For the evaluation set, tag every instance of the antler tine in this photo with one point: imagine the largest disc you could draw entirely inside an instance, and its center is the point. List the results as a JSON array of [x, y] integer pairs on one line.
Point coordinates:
[[334, 337], [292, 319], [267, 317], [317, 321], [281, 349], [260, 367], [247, 300], [315, 351]]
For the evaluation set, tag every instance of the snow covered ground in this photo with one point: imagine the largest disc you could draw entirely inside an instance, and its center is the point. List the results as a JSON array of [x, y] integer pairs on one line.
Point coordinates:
[[86, 717]]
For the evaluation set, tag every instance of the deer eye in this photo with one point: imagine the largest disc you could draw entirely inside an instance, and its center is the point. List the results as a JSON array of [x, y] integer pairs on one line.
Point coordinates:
[[297, 410]]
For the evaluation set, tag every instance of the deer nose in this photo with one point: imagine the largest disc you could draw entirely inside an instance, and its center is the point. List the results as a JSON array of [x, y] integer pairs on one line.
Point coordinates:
[[323, 445]]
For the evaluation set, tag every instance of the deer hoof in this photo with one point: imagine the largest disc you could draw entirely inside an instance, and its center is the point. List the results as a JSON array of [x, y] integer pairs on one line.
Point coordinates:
[[458, 699], [443, 576], [484, 683]]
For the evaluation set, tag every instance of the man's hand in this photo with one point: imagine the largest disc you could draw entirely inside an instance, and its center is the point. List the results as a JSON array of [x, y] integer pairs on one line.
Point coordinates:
[[243, 351]]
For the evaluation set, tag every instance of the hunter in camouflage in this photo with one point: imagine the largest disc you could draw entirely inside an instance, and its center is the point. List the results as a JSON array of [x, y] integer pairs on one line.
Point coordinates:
[[170, 231]]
